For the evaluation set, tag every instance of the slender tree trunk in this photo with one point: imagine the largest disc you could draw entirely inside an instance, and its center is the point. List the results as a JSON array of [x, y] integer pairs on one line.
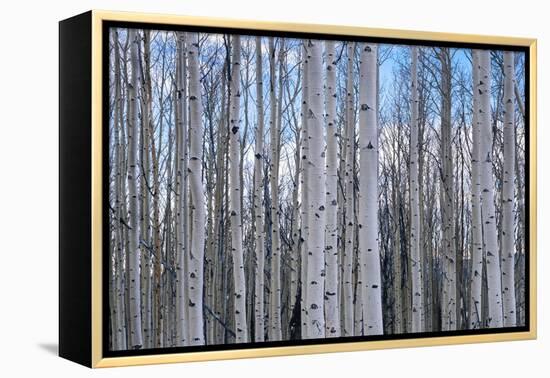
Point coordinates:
[[305, 193], [427, 272], [414, 239], [175, 316], [316, 208], [146, 257], [349, 214], [136, 339], [368, 192], [447, 191], [275, 302], [397, 263], [520, 271], [152, 202], [125, 148], [210, 256], [475, 320], [120, 329], [509, 157], [124, 130], [332, 309], [259, 324], [295, 233], [182, 300], [241, 329], [494, 317], [281, 272], [196, 257], [169, 311]]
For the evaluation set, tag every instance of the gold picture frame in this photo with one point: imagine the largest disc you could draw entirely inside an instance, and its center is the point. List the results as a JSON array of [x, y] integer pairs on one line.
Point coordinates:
[[94, 334]]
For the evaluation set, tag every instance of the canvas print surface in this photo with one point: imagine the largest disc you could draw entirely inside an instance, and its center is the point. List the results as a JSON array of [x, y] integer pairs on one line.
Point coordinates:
[[279, 189]]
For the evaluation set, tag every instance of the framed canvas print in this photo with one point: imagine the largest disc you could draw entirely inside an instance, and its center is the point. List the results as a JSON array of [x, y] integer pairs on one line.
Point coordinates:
[[235, 189]]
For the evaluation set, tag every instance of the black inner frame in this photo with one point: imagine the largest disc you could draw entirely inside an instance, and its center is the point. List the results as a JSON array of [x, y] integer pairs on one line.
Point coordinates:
[[107, 25]]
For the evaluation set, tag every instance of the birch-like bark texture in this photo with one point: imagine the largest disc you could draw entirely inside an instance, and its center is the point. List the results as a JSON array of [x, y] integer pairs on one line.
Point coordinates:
[[136, 339], [182, 299], [304, 216], [349, 214], [195, 280], [369, 256], [509, 155], [494, 317], [446, 196], [227, 227], [416, 262], [241, 328], [475, 316], [293, 315], [146, 112], [275, 300], [332, 300], [316, 188], [120, 293], [259, 324]]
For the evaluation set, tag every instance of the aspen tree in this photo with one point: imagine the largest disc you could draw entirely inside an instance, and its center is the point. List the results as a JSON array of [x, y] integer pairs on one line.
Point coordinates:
[[146, 256], [124, 131], [120, 295], [157, 225], [275, 300], [368, 191], [349, 212], [195, 280], [449, 306], [258, 207], [241, 328], [332, 302], [341, 218], [495, 316], [304, 207], [475, 320], [135, 339], [182, 300], [414, 238], [316, 189], [509, 157]]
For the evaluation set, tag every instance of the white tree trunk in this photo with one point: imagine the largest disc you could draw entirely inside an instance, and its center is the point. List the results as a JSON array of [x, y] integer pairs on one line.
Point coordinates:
[[475, 320], [316, 189], [295, 232], [136, 340], [182, 297], [304, 209], [416, 261], [509, 157], [259, 323], [349, 215], [449, 321], [195, 280], [120, 295], [369, 256], [494, 317], [332, 301], [275, 302], [146, 137], [241, 328]]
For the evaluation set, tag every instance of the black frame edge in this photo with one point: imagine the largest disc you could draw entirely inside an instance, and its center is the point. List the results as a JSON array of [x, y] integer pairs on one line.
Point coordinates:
[[75, 116]]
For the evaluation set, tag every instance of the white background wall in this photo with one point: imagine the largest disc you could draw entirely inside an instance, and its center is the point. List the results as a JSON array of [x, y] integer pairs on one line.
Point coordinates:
[[29, 189]]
